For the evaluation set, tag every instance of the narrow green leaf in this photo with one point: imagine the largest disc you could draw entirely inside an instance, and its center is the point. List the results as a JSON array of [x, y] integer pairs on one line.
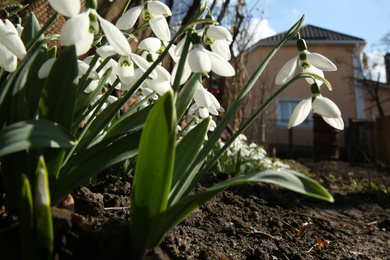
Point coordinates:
[[33, 134], [30, 29], [153, 173], [285, 178], [92, 162], [132, 123], [59, 92], [186, 151]]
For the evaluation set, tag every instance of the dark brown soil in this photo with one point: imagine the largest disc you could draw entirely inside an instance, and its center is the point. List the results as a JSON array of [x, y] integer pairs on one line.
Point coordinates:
[[251, 221]]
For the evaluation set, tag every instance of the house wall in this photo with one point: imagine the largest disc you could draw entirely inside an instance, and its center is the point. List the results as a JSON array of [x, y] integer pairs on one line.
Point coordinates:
[[342, 94]]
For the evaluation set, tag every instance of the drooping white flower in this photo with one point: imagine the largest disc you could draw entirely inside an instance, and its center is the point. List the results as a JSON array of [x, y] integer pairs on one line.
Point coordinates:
[[201, 60], [79, 30], [218, 37], [309, 62], [152, 11], [11, 46], [319, 105], [206, 102]]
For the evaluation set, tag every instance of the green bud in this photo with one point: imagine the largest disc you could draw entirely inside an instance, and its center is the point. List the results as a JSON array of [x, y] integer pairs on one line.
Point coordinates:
[[196, 39], [301, 44], [315, 89], [91, 4]]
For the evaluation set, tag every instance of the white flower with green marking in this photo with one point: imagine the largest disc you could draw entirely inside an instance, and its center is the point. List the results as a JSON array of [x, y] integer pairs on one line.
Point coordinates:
[[152, 11], [309, 62]]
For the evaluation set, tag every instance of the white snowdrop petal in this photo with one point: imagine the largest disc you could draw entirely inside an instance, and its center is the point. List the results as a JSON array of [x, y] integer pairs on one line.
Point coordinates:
[[221, 47], [143, 64], [161, 87], [301, 111], [203, 112], [106, 51], [193, 108], [321, 62], [91, 86], [186, 73], [8, 60], [83, 46], [67, 8], [160, 28], [74, 29], [115, 37], [286, 72], [212, 110], [44, 70], [129, 18], [337, 123], [314, 70], [159, 8], [199, 60], [162, 73], [9, 37], [220, 66], [151, 44], [83, 68], [326, 107], [219, 32], [201, 97]]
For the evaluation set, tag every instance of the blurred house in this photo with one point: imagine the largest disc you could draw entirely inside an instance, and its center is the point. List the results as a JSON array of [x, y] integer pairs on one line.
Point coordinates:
[[348, 92]]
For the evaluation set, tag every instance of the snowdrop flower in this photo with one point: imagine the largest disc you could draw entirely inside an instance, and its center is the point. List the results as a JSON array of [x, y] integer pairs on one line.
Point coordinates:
[[206, 102], [11, 46], [319, 105], [152, 11], [125, 68], [309, 62], [218, 37], [201, 60], [80, 28]]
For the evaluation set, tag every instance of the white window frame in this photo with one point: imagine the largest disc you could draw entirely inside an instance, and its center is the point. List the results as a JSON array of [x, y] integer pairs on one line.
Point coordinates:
[[307, 124]]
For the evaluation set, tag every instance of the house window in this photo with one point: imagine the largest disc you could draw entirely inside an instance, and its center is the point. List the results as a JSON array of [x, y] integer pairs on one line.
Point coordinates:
[[284, 109]]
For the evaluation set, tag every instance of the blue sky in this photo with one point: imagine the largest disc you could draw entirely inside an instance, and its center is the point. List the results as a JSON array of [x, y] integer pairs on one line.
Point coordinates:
[[367, 19]]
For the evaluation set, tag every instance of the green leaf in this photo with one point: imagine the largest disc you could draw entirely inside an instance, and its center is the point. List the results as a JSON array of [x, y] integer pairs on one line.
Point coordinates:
[[186, 151], [153, 174], [30, 29], [187, 93], [286, 178], [59, 92], [132, 123], [33, 134], [92, 162]]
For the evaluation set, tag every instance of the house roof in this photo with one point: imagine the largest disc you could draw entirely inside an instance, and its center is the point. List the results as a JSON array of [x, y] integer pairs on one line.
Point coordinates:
[[313, 34]]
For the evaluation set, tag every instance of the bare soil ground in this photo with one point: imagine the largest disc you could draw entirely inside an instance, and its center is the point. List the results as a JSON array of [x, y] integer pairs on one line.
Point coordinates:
[[250, 221]]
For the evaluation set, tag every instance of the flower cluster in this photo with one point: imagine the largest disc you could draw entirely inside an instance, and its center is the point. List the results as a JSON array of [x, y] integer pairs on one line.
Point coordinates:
[[248, 157], [80, 28], [311, 63]]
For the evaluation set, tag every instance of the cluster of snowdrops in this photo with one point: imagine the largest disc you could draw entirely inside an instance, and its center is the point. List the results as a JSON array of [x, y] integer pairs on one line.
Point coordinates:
[[46, 95]]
